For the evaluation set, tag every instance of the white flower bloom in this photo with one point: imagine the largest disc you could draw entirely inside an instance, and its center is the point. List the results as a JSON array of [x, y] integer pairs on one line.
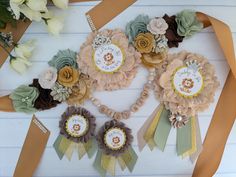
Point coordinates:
[[48, 78], [55, 25], [14, 5], [157, 26], [19, 64], [29, 13], [62, 4], [25, 50], [37, 5]]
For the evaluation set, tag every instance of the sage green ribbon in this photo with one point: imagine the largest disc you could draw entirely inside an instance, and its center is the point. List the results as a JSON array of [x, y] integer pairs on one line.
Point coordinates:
[[163, 130], [184, 138], [64, 146]]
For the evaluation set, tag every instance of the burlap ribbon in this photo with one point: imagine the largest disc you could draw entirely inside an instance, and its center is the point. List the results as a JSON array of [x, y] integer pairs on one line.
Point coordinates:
[[225, 112]]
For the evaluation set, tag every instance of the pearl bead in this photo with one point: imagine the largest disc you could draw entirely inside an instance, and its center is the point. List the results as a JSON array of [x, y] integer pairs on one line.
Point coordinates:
[[179, 118]]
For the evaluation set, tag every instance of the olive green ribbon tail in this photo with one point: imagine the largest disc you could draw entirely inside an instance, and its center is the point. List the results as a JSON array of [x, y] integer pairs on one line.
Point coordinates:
[[66, 147]]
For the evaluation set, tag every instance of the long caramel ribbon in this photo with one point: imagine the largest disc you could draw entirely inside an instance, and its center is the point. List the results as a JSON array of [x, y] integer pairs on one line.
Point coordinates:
[[225, 112], [32, 150]]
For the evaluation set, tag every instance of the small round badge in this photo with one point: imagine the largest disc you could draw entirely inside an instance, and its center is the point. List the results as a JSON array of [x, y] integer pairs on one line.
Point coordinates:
[[77, 126], [115, 138], [187, 82], [108, 58]]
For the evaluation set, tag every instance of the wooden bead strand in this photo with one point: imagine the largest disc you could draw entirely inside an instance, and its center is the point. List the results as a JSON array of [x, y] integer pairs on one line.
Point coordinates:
[[134, 107]]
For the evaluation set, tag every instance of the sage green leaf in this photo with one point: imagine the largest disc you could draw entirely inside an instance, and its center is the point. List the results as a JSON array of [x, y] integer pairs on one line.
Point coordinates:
[[56, 146], [24, 98], [97, 164], [188, 23], [64, 58]]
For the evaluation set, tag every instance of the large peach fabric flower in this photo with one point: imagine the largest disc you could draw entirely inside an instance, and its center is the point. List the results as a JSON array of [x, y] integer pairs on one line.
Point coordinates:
[[173, 101], [118, 79]]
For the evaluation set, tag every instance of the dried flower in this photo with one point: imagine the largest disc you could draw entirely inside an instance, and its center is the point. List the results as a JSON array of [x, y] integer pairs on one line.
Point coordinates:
[[62, 4], [153, 59], [136, 26], [157, 26], [54, 25], [20, 65], [48, 78], [68, 76], [6, 39], [60, 93], [24, 50], [188, 23], [144, 42]]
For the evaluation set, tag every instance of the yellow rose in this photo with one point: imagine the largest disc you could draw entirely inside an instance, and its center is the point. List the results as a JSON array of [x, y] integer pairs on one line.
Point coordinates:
[[68, 76], [144, 42]]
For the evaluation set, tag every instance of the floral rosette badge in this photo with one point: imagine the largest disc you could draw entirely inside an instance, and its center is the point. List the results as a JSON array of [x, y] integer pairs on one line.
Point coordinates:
[[185, 84], [114, 141], [108, 58], [77, 128]]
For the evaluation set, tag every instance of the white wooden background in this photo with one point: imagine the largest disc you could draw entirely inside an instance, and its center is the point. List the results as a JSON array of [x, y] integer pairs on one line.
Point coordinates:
[[14, 126]]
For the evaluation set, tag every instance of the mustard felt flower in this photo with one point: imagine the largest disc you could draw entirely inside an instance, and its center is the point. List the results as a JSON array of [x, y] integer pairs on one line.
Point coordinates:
[[144, 42], [68, 76]]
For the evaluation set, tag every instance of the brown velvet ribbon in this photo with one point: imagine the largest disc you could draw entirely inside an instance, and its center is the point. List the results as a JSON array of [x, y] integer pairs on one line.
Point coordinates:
[[225, 112]]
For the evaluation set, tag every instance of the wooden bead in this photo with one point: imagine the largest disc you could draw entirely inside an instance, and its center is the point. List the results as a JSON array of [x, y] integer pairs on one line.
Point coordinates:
[[126, 114], [134, 108], [117, 116]]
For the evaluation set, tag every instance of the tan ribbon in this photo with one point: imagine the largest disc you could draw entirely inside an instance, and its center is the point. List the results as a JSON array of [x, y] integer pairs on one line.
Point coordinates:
[[225, 112], [32, 150]]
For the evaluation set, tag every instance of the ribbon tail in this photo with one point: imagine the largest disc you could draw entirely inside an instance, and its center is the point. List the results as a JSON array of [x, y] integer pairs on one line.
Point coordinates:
[[163, 130], [121, 163], [90, 147], [81, 150], [108, 163], [141, 141], [56, 146], [184, 138], [64, 145], [195, 155], [149, 134], [97, 164], [130, 158], [70, 150]]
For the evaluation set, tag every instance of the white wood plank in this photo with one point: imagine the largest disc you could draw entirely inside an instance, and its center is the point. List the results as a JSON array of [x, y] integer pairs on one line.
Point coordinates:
[[155, 163]]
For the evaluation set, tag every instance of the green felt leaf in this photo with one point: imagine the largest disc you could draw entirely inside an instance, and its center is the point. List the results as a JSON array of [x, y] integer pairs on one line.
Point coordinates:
[[5, 15]]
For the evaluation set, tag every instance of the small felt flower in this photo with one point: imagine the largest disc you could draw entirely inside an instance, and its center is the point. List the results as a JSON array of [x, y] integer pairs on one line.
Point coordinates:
[[80, 90], [171, 33], [45, 100], [153, 59], [24, 50], [24, 98], [48, 78], [177, 121], [161, 43], [144, 42], [60, 93], [68, 76], [20, 65], [188, 23], [157, 26], [136, 26], [64, 58], [62, 4]]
